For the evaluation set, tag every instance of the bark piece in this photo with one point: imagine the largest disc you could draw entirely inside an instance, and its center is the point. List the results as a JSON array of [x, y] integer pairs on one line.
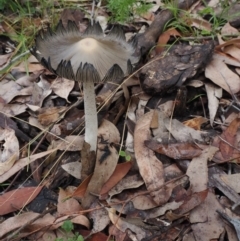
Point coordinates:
[[169, 70]]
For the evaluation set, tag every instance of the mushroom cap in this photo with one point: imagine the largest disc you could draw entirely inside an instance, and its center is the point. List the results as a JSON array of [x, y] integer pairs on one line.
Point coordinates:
[[91, 55]]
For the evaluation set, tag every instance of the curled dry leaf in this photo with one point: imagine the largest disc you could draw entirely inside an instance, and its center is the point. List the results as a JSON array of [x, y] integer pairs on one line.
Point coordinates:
[[67, 205], [214, 94], [50, 115], [69, 143], [9, 152], [73, 168], [13, 109], [151, 169], [106, 162], [227, 29], [122, 224], [62, 87], [118, 174], [7, 85], [182, 133], [100, 218], [206, 223], [175, 150], [128, 182], [198, 169], [228, 139], [108, 132], [189, 203], [164, 37], [22, 163], [196, 122], [218, 71], [15, 222]]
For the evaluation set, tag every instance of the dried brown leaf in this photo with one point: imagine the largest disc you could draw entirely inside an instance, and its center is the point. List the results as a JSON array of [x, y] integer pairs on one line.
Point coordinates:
[[221, 75], [175, 150], [16, 199], [118, 174], [198, 169], [9, 152], [22, 163], [228, 139], [151, 169]]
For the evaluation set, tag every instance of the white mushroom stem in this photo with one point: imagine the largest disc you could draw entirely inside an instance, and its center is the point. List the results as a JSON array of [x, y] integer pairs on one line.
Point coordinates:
[[90, 110]]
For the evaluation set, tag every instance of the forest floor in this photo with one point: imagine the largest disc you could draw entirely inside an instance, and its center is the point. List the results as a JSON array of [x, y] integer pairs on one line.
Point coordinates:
[[166, 165]]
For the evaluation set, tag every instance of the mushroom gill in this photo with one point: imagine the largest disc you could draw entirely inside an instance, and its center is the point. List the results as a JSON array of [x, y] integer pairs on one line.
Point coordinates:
[[89, 58]]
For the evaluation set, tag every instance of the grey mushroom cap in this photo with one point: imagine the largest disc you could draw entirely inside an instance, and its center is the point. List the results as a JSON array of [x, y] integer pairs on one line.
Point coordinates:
[[91, 55]]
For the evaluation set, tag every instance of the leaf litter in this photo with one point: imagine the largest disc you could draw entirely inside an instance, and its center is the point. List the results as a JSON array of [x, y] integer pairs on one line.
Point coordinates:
[[166, 166]]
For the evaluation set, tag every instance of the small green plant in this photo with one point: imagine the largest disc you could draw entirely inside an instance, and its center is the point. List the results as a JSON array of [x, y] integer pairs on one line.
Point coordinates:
[[124, 154], [68, 227], [124, 10]]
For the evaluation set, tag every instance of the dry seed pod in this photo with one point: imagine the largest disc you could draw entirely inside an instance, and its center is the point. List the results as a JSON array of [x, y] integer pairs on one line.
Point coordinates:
[[89, 58]]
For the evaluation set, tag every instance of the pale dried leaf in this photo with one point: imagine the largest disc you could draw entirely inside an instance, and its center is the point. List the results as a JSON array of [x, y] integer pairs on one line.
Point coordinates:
[[39, 93], [5, 86], [214, 94], [233, 51], [70, 143], [13, 109], [151, 169], [22, 163], [206, 223], [4, 60], [104, 167], [143, 202], [82, 220], [15, 222], [62, 87], [227, 29], [99, 217], [128, 182], [180, 132], [200, 23], [123, 225], [159, 211], [198, 169], [50, 115], [221, 75], [73, 168], [232, 180], [67, 205], [9, 152], [108, 132]]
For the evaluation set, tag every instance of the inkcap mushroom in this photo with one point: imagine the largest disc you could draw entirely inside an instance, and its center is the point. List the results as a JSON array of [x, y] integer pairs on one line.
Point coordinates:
[[89, 57]]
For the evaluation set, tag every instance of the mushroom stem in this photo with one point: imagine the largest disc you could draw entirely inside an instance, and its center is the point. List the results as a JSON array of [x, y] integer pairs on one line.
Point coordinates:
[[90, 111]]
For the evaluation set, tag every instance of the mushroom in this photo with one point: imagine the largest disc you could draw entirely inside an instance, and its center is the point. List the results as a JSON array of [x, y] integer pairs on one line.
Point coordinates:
[[89, 57]]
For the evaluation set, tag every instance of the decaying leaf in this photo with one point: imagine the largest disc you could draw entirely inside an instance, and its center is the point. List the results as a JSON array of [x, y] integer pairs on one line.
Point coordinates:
[[106, 162], [214, 94], [151, 169], [196, 122], [67, 205], [175, 150], [206, 223], [73, 168], [22, 163], [16, 199], [118, 174], [62, 87], [198, 169], [10, 149], [221, 75], [123, 225]]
